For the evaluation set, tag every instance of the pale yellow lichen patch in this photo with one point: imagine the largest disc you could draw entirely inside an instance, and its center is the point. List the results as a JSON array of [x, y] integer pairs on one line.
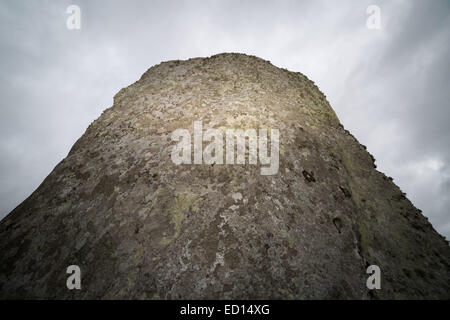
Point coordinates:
[[183, 202], [305, 153]]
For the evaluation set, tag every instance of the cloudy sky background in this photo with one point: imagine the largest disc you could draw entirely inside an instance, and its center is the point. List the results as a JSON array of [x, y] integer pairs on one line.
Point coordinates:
[[389, 87]]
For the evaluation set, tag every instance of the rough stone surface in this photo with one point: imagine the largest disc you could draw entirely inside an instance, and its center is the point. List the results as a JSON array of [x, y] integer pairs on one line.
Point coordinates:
[[140, 226]]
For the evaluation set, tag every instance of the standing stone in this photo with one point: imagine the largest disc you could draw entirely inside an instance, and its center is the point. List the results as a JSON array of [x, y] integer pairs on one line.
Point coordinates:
[[140, 226]]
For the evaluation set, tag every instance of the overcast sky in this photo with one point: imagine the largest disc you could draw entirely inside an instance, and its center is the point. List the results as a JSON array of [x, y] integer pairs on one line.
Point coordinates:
[[390, 87]]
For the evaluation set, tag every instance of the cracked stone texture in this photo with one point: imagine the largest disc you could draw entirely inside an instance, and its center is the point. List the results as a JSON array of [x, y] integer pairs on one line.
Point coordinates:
[[142, 227]]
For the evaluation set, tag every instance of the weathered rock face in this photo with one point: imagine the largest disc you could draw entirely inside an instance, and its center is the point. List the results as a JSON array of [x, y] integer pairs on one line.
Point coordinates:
[[140, 226]]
